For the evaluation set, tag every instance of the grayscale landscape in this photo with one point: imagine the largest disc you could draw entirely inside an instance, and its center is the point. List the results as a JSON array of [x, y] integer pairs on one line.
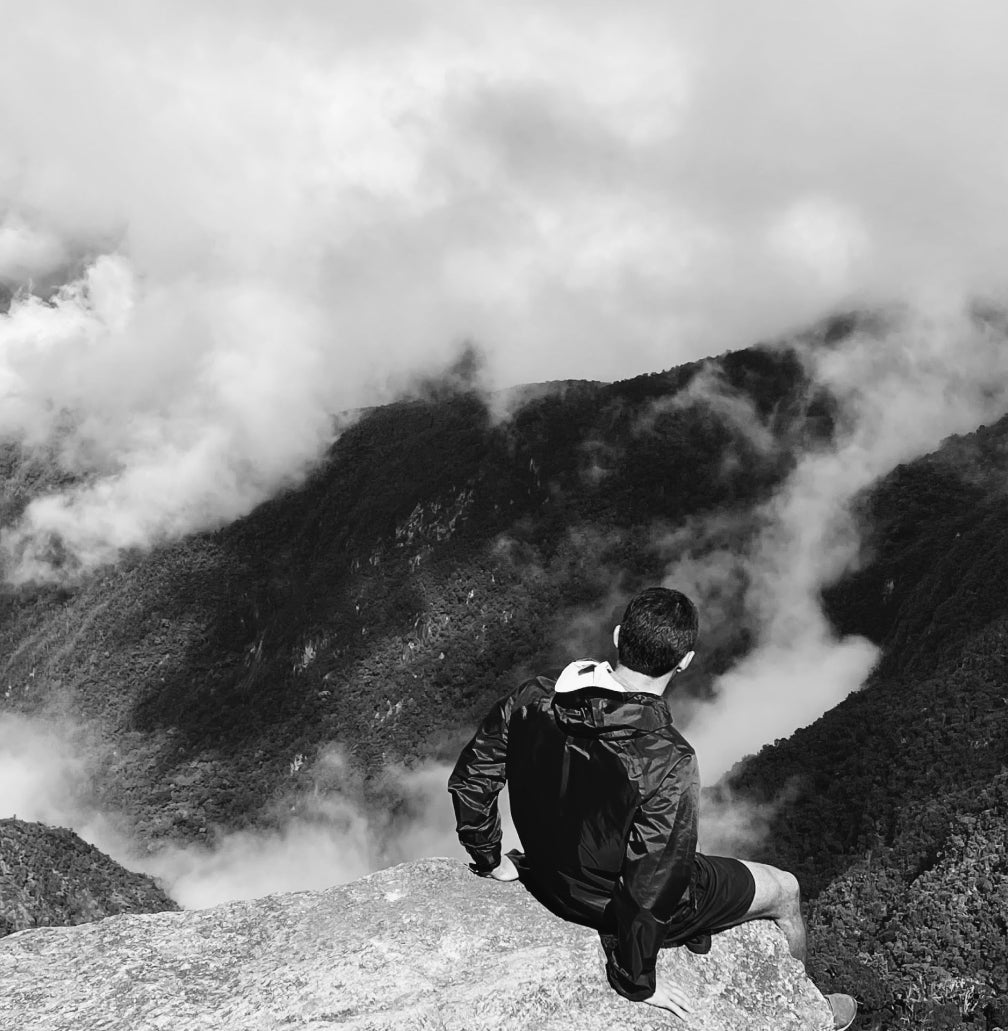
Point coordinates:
[[358, 362]]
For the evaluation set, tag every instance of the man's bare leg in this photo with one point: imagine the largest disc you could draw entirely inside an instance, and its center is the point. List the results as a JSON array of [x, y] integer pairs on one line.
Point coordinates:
[[778, 898]]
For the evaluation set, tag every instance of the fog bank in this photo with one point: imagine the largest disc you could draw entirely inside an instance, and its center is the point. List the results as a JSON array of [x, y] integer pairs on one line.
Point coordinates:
[[255, 216], [321, 830], [901, 391]]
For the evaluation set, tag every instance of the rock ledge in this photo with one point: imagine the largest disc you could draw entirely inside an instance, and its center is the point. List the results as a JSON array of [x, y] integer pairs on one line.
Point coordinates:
[[425, 945]]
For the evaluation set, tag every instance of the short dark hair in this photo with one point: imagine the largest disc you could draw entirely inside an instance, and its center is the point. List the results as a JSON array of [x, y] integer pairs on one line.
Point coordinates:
[[658, 629]]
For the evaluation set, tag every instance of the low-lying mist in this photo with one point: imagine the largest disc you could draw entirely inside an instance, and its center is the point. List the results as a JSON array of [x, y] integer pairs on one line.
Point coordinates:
[[316, 836], [900, 392]]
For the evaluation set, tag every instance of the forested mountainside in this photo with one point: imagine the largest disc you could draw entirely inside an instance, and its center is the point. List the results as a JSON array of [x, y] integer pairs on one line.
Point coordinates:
[[49, 876], [438, 555], [444, 550], [897, 812]]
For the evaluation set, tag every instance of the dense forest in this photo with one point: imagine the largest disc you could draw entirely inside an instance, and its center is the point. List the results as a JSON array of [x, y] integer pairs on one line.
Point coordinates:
[[898, 811], [49, 876], [450, 544]]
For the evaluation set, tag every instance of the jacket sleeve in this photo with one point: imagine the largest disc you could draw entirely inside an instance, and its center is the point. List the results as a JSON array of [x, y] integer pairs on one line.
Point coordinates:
[[657, 869], [479, 776]]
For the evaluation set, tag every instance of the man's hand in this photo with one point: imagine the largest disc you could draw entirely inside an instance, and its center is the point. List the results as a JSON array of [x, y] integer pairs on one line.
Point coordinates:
[[504, 871], [668, 997]]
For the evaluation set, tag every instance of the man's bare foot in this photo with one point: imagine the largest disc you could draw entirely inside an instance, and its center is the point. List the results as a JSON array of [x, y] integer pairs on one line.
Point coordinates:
[[505, 870]]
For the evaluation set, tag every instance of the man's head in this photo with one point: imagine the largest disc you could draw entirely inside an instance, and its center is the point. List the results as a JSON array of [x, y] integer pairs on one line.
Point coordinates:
[[658, 632]]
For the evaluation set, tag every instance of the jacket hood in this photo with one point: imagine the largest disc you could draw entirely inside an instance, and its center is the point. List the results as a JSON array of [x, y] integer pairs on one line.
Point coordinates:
[[589, 701]]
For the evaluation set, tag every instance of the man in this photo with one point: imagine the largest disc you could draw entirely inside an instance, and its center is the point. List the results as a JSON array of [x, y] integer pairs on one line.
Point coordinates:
[[605, 797]]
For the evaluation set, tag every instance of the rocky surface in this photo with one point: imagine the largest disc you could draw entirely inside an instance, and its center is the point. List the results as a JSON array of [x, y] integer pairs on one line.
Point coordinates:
[[425, 945]]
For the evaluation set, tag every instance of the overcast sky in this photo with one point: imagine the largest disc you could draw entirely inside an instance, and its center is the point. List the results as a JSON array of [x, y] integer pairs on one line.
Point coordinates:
[[265, 213], [586, 189]]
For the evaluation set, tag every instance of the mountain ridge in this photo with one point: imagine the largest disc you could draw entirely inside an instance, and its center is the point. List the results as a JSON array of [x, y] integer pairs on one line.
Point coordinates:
[[441, 554], [432, 532]]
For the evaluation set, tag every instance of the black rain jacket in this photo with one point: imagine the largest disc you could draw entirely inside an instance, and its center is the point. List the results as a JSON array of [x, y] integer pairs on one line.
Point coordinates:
[[605, 796]]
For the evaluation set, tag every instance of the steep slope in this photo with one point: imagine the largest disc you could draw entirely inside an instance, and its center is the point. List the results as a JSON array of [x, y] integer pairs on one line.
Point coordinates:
[[425, 945], [49, 877], [897, 815], [433, 559]]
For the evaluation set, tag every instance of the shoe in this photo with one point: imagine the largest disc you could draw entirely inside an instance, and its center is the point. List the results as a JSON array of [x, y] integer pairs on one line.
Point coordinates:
[[844, 1011], [700, 944]]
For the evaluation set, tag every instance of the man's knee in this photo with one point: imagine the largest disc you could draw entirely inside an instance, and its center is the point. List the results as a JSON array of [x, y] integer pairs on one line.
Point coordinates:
[[790, 890], [777, 894]]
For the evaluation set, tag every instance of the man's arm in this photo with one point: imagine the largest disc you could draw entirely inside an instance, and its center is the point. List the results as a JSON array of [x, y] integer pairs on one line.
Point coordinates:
[[657, 868], [478, 778]]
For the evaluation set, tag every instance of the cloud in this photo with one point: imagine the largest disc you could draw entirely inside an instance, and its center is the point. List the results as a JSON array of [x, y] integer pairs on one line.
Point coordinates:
[[709, 390], [38, 768], [26, 252], [185, 434], [820, 237], [324, 831], [733, 825], [901, 391], [260, 214]]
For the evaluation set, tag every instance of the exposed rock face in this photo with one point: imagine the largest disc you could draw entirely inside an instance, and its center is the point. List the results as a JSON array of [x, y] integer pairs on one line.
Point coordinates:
[[425, 945]]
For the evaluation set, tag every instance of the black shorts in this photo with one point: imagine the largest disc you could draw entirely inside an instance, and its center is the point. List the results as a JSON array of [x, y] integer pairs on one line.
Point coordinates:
[[724, 892]]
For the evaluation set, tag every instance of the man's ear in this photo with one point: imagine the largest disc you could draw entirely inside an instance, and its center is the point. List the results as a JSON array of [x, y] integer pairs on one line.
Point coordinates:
[[615, 636], [685, 661]]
